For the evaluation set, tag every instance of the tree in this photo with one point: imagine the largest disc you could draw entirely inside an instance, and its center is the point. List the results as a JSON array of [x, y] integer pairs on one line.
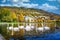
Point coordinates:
[[4, 13], [12, 16], [21, 17]]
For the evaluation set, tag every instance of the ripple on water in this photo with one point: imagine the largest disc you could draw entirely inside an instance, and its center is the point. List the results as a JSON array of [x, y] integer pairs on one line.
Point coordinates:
[[48, 36]]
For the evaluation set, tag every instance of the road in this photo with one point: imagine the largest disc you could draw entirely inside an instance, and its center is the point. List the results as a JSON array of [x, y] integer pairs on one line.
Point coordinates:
[[1, 37]]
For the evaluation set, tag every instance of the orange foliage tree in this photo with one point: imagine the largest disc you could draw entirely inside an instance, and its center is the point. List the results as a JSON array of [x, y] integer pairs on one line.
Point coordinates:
[[21, 17]]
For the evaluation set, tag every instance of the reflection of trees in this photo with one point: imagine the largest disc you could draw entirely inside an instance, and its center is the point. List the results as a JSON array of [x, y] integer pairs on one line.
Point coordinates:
[[0, 29], [18, 38], [58, 23], [3, 31]]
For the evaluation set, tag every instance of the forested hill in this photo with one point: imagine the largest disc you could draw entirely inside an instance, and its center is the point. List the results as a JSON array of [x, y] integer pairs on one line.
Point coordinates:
[[8, 13]]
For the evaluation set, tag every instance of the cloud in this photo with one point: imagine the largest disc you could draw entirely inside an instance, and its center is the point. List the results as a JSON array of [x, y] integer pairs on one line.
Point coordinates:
[[58, 1], [17, 2], [55, 1], [29, 5], [20, 3], [32, 5], [51, 0], [3, 1], [48, 7], [10, 5], [5, 5], [26, 5], [14, 1], [25, 0]]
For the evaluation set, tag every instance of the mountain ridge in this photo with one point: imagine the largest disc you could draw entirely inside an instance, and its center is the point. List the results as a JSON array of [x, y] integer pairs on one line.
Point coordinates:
[[29, 8], [32, 11]]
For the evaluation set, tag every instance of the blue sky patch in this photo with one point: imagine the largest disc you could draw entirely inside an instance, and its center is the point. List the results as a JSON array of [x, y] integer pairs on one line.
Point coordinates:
[[47, 5]]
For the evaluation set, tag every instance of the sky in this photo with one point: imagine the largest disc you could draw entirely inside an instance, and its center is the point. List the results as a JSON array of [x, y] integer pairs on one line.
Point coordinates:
[[47, 5]]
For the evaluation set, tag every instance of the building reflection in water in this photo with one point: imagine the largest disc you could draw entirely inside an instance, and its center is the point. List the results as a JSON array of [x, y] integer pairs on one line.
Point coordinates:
[[28, 28]]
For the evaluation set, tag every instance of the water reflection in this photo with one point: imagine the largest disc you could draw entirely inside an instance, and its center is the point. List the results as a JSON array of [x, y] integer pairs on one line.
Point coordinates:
[[27, 30], [17, 38], [47, 36]]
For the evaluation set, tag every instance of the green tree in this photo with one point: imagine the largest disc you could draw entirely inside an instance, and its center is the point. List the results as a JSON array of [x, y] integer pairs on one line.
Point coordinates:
[[4, 13]]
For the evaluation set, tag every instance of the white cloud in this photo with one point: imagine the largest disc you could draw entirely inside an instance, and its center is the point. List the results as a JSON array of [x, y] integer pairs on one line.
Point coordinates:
[[25, 0], [51, 0], [58, 1], [5, 5], [48, 7], [29, 5], [3, 1], [20, 3], [10, 5], [14, 1], [55, 0]]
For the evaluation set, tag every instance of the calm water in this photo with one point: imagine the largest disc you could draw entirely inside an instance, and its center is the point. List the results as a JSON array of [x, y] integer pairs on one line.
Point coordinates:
[[47, 36]]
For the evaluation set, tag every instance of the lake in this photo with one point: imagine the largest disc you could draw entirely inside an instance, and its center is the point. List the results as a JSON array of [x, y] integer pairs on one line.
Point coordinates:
[[45, 36]]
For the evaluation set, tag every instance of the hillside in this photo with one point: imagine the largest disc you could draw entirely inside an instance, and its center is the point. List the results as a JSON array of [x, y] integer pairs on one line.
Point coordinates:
[[8, 13]]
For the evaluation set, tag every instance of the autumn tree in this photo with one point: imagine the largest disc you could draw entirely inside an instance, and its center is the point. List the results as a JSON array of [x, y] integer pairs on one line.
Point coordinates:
[[13, 16], [21, 17]]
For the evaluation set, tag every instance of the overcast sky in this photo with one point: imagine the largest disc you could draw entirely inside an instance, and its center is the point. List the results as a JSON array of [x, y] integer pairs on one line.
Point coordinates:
[[47, 5]]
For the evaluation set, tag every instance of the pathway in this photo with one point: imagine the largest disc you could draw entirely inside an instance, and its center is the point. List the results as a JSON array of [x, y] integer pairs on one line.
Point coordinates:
[[1, 37]]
